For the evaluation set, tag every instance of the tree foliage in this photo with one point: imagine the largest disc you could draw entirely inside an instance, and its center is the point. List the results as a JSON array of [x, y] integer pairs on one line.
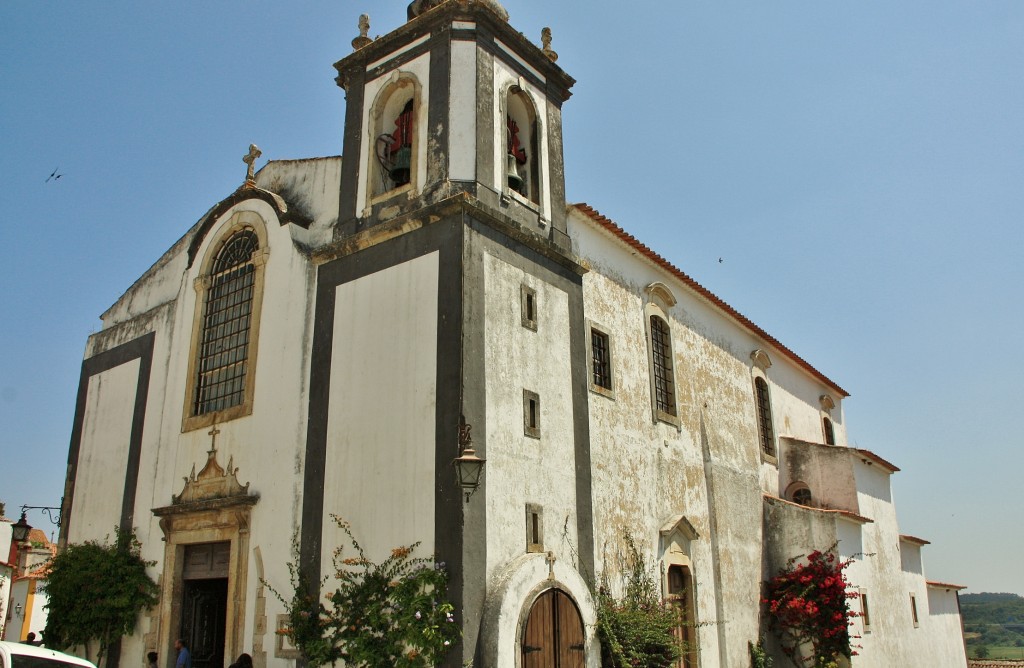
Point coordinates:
[[807, 609], [637, 629], [96, 591], [381, 615], [993, 619]]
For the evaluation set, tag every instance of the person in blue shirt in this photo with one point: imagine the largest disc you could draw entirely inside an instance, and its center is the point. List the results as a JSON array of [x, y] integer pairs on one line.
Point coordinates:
[[184, 658]]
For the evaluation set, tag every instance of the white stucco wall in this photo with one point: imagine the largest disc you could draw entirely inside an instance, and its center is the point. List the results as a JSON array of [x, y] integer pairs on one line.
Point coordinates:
[[381, 424], [462, 112], [522, 469], [106, 432]]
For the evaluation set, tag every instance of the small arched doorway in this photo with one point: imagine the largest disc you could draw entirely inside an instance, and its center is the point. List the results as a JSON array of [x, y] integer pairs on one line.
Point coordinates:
[[553, 634], [680, 595]]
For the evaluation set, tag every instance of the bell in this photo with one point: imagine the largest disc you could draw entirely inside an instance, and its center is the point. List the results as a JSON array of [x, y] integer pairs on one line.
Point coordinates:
[[515, 182], [400, 169]]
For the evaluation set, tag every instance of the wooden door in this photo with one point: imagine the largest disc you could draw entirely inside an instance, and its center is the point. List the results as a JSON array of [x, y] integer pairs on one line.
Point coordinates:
[[553, 637], [204, 602], [204, 613]]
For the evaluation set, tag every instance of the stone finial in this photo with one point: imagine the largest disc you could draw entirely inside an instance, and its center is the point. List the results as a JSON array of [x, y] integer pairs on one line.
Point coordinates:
[[545, 40], [364, 28], [250, 160], [419, 7]]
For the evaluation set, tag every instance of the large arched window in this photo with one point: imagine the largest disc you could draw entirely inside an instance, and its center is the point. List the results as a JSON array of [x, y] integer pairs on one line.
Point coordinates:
[[229, 293], [224, 350], [765, 429]]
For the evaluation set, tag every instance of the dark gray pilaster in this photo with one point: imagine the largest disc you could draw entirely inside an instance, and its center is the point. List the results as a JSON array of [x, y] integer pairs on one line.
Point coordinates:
[[439, 105], [350, 167]]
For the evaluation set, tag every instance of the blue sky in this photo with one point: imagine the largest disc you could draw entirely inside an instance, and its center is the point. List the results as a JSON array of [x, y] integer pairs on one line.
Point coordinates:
[[858, 166]]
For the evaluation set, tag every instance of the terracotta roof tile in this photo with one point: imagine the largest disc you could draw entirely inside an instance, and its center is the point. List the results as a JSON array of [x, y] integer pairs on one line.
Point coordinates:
[[944, 585], [875, 459], [842, 513], [914, 539], [637, 245]]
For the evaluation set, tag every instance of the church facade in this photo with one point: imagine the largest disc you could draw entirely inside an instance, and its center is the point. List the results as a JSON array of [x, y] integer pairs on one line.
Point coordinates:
[[329, 338]]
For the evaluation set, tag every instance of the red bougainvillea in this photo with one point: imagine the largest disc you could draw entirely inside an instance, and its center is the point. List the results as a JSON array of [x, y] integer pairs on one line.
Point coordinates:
[[807, 609]]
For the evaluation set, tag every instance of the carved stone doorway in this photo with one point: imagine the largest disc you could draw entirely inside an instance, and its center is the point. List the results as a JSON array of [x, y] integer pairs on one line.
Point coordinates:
[[553, 634], [205, 565]]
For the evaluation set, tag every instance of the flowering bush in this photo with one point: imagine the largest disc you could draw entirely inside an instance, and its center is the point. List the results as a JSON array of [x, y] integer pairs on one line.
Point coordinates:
[[807, 609], [382, 615]]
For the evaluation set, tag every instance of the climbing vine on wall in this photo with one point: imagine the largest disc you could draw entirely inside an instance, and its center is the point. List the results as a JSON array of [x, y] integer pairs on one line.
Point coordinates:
[[807, 609], [394, 613], [638, 628]]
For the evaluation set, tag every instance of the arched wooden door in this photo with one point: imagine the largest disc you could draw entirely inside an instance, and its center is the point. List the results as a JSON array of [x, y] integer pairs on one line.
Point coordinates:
[[553, 637]]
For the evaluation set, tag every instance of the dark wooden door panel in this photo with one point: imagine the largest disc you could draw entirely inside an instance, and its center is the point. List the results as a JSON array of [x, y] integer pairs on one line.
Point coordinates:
[[203, 617], [554, 636]]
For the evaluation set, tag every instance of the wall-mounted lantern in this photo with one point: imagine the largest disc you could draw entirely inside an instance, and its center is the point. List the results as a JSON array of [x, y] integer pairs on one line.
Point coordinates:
[[468, 467], [21, 528]]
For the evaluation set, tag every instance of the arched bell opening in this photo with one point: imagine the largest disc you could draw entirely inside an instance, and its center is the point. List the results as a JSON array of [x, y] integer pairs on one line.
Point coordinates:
[[394, 131], [522, 172]]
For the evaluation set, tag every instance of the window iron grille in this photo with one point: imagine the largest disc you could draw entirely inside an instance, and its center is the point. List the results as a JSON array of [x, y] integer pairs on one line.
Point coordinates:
[[224, 347]]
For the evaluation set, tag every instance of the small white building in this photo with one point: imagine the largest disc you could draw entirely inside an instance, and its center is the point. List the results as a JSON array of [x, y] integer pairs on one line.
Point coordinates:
[[318, 342], [22, 577]]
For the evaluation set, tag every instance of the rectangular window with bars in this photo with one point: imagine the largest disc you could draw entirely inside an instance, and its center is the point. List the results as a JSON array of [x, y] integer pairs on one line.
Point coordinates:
[[600, 360]]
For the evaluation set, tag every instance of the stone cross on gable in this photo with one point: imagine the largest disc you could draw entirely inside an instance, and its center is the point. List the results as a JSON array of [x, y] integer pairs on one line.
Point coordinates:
[[213, 435], [250, 159]]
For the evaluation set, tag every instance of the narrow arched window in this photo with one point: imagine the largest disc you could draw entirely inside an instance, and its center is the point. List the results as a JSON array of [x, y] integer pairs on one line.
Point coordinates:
[[661, 361], [223, 356], [764, 416], [830, 434]]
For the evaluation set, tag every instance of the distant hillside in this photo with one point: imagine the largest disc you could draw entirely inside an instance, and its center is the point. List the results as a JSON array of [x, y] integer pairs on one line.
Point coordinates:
[[993, 619]]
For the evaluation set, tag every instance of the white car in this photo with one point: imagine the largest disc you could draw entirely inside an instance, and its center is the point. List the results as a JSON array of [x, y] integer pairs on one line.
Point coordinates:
[[19, 655]]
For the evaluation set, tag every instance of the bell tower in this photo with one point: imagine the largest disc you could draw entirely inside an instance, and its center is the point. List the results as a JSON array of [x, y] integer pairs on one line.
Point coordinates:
[[454, 101]]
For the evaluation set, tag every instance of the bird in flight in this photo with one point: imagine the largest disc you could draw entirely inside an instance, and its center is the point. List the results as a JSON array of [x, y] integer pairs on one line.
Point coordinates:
[[53, 176], [719, 260]]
